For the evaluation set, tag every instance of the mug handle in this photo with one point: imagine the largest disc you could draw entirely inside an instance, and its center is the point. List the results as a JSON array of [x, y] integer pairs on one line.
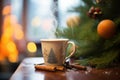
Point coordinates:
[[73, 50]]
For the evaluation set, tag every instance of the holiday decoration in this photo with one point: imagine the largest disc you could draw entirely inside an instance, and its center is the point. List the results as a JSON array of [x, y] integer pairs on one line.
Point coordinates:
[[73, 21], [98, 37], [52, 58], [106, 29], [94, 12]]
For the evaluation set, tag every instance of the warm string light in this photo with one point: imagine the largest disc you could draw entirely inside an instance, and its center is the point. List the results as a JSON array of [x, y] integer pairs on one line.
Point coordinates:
[[12, 30]]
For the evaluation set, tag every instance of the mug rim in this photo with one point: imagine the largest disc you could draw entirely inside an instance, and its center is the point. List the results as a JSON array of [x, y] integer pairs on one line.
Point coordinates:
[[54, 39]]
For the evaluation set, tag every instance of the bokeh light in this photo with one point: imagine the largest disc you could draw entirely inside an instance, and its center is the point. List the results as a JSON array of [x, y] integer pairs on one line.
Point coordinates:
[[31, 46], [18, 32], [13, 52], [6, 10], [36, 21]]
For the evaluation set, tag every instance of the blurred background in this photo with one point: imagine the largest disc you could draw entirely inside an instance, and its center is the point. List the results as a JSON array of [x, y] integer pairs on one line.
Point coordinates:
[[23, 23]]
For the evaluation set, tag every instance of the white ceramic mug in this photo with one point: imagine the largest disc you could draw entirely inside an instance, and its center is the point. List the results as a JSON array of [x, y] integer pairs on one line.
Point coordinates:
[[54, 51]]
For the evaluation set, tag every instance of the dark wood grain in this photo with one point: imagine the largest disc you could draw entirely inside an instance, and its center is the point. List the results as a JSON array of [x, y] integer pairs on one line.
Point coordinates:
[[26, 71]]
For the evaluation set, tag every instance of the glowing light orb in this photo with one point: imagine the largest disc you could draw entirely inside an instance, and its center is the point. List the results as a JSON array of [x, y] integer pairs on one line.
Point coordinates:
[[31, 46], [6, 10]]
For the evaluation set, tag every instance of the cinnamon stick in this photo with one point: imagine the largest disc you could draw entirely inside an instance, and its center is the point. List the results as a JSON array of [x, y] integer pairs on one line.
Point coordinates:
[[78, 67], [60, 68], [49, 68], [44, 67]]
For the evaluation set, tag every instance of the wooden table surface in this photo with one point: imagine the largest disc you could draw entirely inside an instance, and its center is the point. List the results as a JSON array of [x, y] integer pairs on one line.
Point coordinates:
[[26, 71]]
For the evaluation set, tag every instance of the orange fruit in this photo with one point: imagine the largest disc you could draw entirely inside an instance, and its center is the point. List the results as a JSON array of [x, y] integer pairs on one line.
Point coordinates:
[[106, 28]]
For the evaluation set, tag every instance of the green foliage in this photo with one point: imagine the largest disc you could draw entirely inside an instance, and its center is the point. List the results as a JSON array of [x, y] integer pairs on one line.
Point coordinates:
[[110, 9], [102, 61], [91, 48]]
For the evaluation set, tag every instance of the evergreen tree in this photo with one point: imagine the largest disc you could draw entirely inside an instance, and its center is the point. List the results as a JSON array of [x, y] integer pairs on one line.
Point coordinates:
[[92, 49], [52, 58]]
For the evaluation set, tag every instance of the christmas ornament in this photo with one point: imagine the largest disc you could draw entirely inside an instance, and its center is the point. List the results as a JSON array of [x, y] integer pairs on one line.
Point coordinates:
[[106, 29], [94, 12], [73, 21]]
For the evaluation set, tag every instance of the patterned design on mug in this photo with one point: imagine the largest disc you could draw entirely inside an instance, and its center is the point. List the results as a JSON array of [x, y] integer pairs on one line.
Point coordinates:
[[45, 52], [51, 57]]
